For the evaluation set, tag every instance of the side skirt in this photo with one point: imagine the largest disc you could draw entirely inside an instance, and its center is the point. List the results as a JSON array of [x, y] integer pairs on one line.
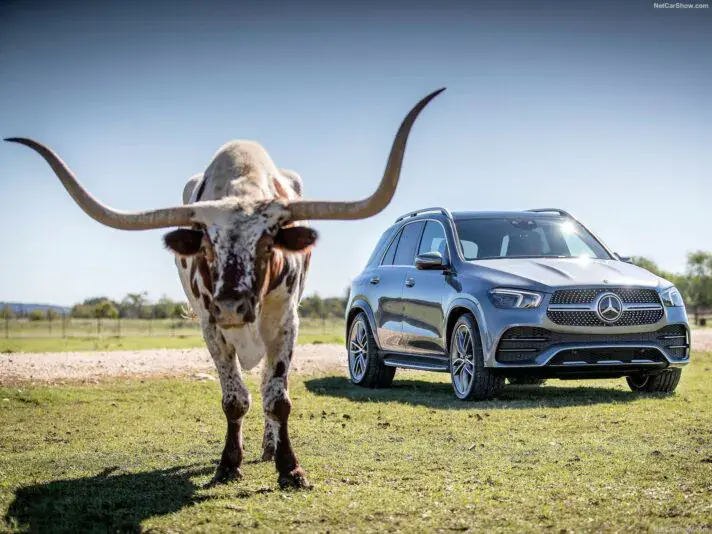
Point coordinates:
[[422, 362]]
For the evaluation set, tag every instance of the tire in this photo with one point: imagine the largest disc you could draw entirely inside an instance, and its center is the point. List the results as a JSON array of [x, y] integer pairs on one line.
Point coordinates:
[[526, 381], [471, 380], [665, 382], [365, 368]]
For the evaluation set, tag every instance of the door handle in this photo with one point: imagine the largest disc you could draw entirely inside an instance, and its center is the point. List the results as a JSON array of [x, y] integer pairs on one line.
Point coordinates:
[[410, 282], [374, 280]]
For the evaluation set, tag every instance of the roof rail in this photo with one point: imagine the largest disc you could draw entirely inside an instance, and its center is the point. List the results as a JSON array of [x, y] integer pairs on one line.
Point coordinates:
[[553, 210], [424, 210]]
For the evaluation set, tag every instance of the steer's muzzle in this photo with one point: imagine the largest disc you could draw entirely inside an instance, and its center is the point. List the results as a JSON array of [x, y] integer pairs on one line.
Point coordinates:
[[232, 313]]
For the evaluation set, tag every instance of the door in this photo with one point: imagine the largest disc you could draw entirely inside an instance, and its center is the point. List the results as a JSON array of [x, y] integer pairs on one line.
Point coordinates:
[[389, 281], [424, 292]]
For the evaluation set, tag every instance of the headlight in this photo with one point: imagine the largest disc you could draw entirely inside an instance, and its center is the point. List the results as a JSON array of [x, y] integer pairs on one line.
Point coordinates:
[[514, 298], [671, 298]]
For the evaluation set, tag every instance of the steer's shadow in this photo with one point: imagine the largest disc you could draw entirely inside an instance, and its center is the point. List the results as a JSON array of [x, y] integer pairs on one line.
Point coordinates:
[[104, 503], [440, 395]]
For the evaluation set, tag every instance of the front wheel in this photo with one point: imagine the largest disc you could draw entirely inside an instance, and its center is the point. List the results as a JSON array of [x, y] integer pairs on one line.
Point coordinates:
[[665, 382], [365, 368], [471, 380]]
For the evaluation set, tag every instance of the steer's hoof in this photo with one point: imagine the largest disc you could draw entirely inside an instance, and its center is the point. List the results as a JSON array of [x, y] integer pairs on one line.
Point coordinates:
[[296, 479], [224, 474], [268, 454]]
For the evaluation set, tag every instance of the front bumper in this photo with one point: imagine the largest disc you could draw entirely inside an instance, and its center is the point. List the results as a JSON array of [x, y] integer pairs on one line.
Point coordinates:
[[528, 340]]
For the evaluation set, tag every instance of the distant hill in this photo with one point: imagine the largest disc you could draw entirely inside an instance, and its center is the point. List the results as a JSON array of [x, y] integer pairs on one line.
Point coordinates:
[[21, 308]]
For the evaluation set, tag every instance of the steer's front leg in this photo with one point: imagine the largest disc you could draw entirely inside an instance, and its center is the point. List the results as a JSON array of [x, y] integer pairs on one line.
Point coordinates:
[[277, 406], [235, 403]]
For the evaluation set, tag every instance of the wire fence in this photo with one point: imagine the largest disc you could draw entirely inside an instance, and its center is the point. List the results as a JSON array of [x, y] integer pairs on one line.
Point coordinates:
[[67, 327]]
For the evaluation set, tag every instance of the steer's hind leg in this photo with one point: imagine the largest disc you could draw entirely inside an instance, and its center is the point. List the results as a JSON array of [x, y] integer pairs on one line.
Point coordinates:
[[277, 406], [235, 403]]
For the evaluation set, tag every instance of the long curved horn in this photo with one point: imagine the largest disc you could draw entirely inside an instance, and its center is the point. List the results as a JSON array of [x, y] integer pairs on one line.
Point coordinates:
[[122, 220], [360, 209]]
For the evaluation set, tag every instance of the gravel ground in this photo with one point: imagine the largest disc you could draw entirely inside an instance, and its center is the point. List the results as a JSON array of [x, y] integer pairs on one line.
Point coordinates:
[[90, 366]]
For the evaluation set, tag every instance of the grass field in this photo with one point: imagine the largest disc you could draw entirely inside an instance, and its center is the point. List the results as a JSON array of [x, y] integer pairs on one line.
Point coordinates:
[[571, 456], [81, 335]]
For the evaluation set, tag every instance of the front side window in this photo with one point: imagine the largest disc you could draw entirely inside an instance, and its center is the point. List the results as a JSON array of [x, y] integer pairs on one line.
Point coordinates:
[[405, 253], [433, 239], [540, 237]]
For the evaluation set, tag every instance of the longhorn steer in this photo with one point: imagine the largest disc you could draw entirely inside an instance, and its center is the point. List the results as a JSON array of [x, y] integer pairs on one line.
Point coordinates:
[[242, 261]]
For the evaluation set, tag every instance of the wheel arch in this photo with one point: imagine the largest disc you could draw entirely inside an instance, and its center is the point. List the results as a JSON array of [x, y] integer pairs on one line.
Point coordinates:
[[361, 306], [457, 309]]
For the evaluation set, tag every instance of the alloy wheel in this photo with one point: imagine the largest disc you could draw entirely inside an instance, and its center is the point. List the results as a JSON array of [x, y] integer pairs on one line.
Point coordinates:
[[358, 351], [463, 360]]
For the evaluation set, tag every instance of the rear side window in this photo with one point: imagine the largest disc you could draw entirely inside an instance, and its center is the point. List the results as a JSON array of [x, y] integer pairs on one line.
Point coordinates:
[[410, 235], [390, 254], [378, 249]]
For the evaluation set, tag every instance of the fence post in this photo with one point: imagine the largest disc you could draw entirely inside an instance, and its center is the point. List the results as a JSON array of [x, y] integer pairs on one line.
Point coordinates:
[[7, 326], [64, 325], [118, 327]]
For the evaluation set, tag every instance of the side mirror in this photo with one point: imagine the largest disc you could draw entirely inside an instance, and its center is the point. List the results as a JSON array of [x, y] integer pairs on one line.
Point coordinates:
[[429, 261], [626, 259]]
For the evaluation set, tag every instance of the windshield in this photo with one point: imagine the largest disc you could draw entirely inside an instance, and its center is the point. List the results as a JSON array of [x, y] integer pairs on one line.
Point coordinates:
[[522, 237]]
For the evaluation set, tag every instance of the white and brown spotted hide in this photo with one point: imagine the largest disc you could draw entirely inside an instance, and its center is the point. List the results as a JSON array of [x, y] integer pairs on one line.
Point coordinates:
[[241, 257]]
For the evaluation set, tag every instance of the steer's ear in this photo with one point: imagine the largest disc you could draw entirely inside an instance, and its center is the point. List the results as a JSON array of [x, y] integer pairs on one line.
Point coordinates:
[[295, 238], [183, 241]]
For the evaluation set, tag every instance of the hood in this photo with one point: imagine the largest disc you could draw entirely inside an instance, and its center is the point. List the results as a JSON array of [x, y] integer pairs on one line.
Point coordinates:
[[565, 272]]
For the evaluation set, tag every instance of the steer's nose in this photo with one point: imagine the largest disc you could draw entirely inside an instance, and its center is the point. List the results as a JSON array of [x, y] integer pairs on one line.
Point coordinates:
[[233, 312]]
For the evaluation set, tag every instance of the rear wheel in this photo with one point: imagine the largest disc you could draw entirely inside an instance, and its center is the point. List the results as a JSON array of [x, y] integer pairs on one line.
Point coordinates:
[[471, 380], [665, 382], [365, 368]]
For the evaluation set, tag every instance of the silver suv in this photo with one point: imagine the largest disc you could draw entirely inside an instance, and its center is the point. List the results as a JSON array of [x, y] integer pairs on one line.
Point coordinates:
[[518, 296]]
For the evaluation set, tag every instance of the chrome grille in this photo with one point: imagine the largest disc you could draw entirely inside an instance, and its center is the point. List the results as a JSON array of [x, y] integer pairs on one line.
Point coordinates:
[[629, 295], [577, 306], [589, 318]]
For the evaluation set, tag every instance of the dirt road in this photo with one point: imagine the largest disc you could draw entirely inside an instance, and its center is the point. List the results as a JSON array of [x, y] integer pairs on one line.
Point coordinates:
[[60, 366]]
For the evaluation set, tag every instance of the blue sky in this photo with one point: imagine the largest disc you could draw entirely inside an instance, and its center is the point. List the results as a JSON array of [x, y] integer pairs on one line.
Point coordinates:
[[597, 108]]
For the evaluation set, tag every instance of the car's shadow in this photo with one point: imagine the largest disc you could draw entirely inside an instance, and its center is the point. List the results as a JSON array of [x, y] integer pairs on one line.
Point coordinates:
[[440, 394], [105, 502]]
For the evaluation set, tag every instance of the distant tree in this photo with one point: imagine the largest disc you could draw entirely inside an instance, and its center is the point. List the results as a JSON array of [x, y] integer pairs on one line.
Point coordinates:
[[36, 315], [312, 306], [95, 301], [180, 309], [133, 305], [52, 314], [647, 264], [7, 313], [82, 311], [165, 308], [106, 310], [698, 284]]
